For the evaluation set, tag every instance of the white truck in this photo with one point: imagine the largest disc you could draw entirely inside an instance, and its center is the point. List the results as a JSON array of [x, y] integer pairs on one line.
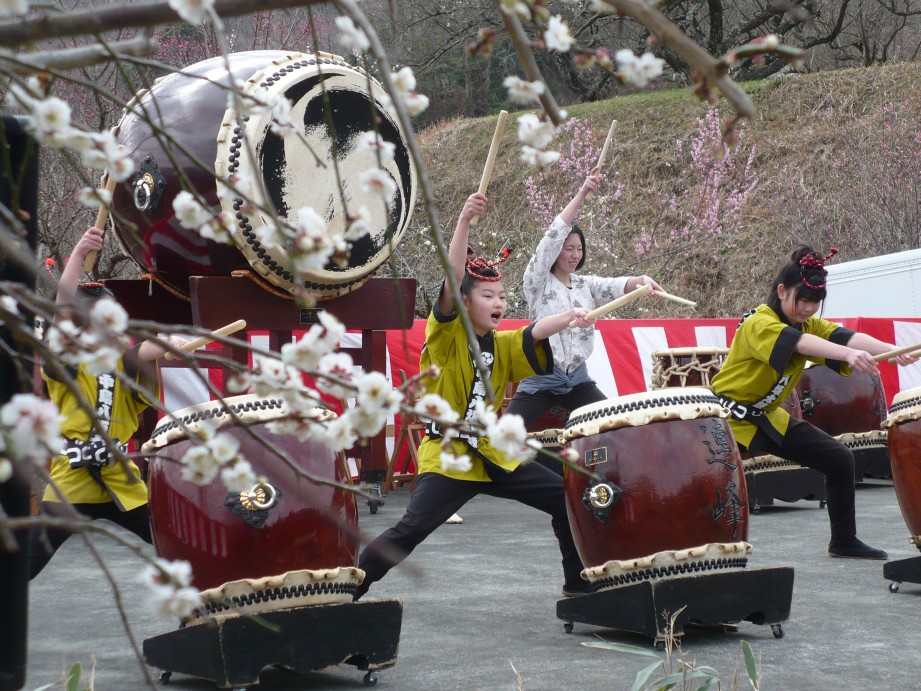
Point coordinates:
[[888, 285]]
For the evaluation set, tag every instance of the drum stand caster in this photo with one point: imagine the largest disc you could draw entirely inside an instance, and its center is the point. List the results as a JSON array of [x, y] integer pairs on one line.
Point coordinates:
[[902, 571], [376, 500], [714, 601], [232, 651]]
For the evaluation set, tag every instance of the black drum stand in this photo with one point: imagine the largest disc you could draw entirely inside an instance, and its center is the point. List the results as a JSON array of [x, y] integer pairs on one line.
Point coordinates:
[[232, 651], [790, 484], [718, 600], [902, 571]]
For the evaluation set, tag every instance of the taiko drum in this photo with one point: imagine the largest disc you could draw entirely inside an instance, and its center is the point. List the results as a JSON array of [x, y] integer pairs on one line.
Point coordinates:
[[665, 475], [184, 131], [286, 522], [904, 426]]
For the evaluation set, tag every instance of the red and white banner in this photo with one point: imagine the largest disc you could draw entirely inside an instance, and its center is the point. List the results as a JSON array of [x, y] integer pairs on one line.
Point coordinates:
[[621, 362]]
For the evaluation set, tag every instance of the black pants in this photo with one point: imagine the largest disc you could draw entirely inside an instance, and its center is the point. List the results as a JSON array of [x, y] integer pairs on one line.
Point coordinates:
[[44, 542], [436, 497], [530, 406], [809, 446]]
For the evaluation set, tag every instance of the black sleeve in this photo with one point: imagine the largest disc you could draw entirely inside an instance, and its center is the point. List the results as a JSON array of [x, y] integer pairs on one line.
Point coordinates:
[[436, 311], [784, 347], [529, 345], [839, 336]]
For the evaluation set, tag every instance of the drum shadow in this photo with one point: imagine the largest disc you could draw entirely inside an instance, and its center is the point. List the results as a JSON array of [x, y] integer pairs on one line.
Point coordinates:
[[280, 679]]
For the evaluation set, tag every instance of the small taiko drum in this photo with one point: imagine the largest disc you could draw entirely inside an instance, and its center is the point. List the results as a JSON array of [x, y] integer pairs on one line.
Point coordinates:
[[686, 366], [183, 131], [286, 522], [852, 410], [904, 427], [666, 475]]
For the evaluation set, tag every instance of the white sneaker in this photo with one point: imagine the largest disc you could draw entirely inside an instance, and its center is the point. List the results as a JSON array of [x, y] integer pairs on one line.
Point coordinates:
[[455, 519]]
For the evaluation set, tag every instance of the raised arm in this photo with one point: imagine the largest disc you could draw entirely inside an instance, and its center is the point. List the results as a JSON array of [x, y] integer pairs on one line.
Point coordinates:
[[457, 250], [70, 276], [591, 183]]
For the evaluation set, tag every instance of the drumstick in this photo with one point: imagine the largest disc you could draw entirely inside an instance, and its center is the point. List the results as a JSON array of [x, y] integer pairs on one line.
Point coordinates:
[[898, 351], [100, 221], [607, 145], [619, 302], [491, 158], [205, 340], [674, 298]]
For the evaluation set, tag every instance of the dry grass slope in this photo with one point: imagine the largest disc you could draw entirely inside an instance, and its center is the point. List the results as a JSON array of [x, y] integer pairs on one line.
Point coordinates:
[[804, 126]]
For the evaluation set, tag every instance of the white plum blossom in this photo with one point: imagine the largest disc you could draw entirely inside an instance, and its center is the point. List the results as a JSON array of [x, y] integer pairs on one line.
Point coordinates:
[[570, 454], [103, 152], [94, 197], [521, 91], [218, 228], [271, 235], [339, 435], [311, 252], [415, 102], [31, 427], [404, 80], [376, 146], [365, 422], [486, 415], [171, 596], [108, 315], [321, 339], [557, 36], [534, 132], [9, 303], [338, 365], [601, 7], [282, 124], [350, 36], [190, 212], [638, 70], [460, 463], [12, 8], [510, 436], [48, 117], [193, 11], [376, 393], [101, 360], [516, 7], [238, 477], [359, 224], [376, 181], [431, 405], [538, 158], [199, 466], [224, 447], [6, 470]]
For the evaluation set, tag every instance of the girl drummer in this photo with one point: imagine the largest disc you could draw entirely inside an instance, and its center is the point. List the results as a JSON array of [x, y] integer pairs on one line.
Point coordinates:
[[510, 355], [766, 360], [551, 285]]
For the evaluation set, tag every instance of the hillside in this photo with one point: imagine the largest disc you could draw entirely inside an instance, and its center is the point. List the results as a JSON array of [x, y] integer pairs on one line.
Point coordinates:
[[822, 148]]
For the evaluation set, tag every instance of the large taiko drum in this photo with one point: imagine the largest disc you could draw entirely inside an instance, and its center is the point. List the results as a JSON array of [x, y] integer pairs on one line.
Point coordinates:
[[852, 410], [668, 476], [285, 523], [904, 426], [181, 132], [686, 366]]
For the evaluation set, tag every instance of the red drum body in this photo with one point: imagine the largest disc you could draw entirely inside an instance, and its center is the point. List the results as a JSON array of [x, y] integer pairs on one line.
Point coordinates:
[[183, 132], [904, 426], [284, 523], [840, 405], [668, 476], [682, 367]]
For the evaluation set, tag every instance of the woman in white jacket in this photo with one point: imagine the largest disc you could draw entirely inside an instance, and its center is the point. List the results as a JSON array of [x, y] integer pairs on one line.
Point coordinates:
[[551, 285]]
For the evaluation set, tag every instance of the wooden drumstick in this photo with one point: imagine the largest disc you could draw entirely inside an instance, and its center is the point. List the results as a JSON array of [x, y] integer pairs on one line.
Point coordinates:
[[100, 223], [491, 158], [205, 340], [674, 298], [619, 302], [898, 351], [607, 145]]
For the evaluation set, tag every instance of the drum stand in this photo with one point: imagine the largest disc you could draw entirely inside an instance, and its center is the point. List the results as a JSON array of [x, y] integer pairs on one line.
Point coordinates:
[[232, 651], [717, 600], [902, 571], [788, 484]]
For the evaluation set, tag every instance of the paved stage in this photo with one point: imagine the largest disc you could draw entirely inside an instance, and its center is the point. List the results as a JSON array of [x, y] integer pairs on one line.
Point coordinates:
[[480, 602]]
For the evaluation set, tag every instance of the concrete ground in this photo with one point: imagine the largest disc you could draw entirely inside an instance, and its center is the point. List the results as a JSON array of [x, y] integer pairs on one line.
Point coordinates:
[[480, 602]]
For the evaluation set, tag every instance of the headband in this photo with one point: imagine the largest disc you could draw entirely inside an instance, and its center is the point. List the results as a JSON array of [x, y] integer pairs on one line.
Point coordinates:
[[814, 261], [476, 266]]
